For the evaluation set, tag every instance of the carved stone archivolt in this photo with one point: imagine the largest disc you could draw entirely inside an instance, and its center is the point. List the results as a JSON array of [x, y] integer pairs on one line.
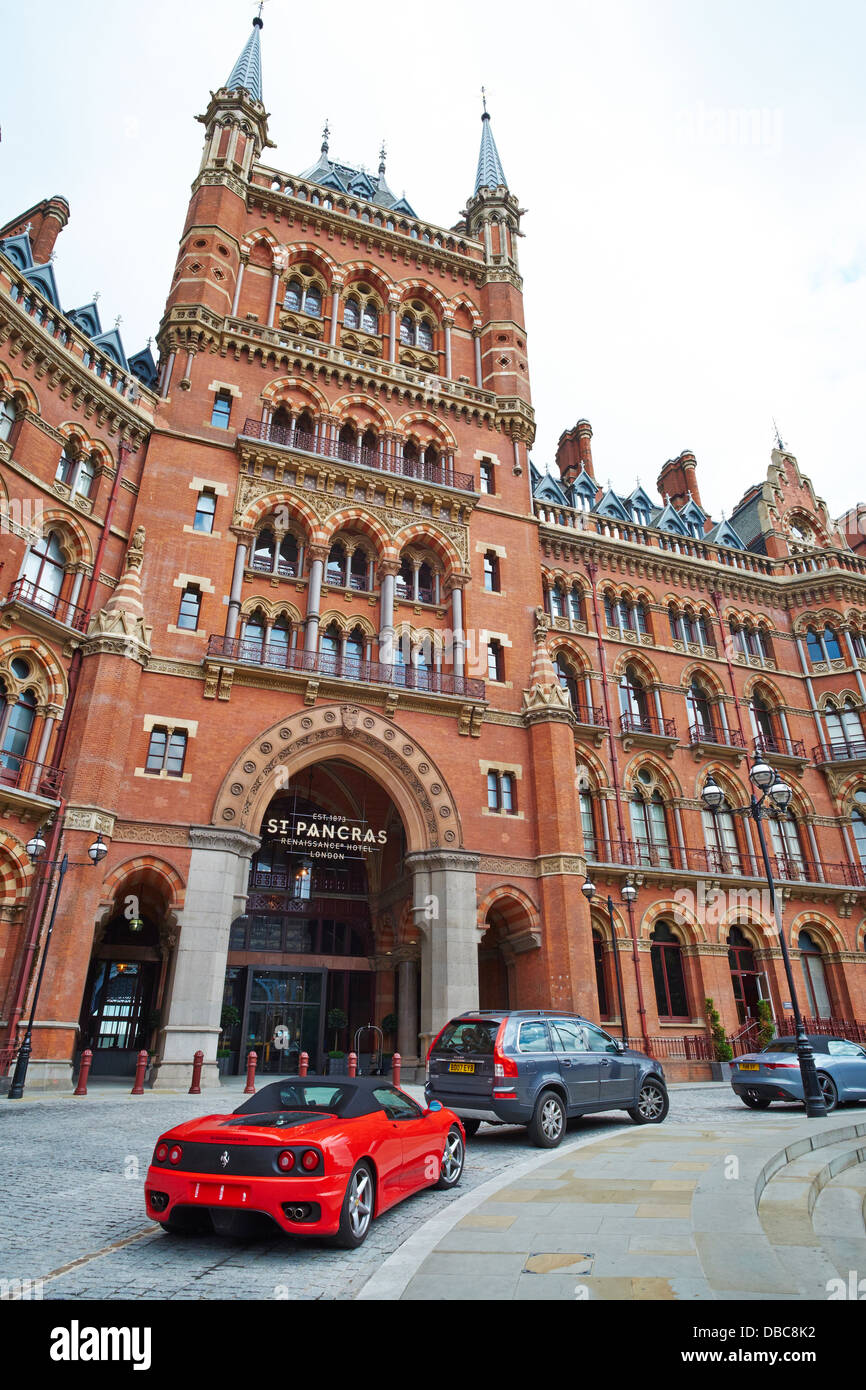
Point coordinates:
[[359, 735]]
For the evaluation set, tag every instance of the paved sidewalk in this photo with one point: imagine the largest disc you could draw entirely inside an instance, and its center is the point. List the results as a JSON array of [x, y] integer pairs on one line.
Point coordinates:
[[657, 1213]]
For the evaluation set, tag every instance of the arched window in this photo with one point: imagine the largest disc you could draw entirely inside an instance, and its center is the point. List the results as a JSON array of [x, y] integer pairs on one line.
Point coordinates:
[[370, 318], [831, 645], [264, 551], [354, 649], [8, 416], [352, 313], [568, 680], [44, 572], [814, 978], [303, 297], [764, 724], [555, 601], [598, 953], [279, 642], [701, 721], [745, 976], [587, 824], [287, 562], [634, 702], [294, 296], [358, 569], [790, 862], [425, 335], [720, 839], [575, 605], [17, 731], [336, 569], [858, 824], [313, 302], [329, 643], [649, 829], [407, 330], [844, 729], [668, 975], [253, 640]]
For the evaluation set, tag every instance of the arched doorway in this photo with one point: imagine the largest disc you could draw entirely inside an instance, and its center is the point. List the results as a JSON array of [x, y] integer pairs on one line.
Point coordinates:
[[300, 972], [493, 989], [748, 981]]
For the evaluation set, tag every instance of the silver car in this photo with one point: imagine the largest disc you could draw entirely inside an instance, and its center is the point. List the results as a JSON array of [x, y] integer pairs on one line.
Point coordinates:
[[759, 1078]]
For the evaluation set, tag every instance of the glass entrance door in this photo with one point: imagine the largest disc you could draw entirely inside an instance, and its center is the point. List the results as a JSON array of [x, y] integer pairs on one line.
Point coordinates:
[[289, 1001]]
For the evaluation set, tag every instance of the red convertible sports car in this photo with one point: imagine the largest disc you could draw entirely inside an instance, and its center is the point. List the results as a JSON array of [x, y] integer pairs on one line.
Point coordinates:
[[318, 1155]]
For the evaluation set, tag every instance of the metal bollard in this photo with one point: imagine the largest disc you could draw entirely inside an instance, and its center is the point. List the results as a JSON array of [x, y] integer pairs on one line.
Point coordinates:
[[303, 1063], [140, 1069], [83, 1073], [250, 1088], [197, 1063], [395, 1068], [353, 1064]]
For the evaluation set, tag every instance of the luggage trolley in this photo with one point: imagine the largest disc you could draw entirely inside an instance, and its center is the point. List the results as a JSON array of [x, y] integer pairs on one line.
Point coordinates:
[[375, 1068]]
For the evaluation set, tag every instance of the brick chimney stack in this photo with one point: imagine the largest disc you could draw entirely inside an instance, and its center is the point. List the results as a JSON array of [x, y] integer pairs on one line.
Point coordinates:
[[574, 451], [678, 478], [46, 221]]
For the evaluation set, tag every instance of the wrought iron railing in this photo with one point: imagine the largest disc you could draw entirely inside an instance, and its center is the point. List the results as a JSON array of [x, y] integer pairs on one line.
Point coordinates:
[[28, 776], [51, 604], [283, 658], [647, 724], [781, 746], [422, 470], [700, 859], [839, 750], [723, 738]]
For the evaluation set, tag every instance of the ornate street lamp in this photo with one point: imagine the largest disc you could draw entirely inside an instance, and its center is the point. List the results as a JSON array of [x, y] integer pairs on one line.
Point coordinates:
[[771, 786], [36, 850], [628, 893]]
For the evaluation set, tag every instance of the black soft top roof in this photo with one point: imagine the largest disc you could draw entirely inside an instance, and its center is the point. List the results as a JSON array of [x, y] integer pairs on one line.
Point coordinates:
[[348, 1096]]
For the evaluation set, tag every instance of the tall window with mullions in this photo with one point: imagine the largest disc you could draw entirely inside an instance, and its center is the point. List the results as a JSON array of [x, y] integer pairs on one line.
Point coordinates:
[[166, 752], [668, 975]]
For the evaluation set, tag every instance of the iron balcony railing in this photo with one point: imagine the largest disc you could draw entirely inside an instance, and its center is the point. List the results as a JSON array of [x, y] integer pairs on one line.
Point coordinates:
[[590, 714], [276, 656], [47, 602], [699, 859], [647, 724], [25, 775], [420, 469], [322, 884], [723, 738], [782, 747], [839, 750]]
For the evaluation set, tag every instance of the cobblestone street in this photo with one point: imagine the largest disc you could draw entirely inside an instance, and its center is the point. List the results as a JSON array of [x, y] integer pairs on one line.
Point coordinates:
[[74, 1173]]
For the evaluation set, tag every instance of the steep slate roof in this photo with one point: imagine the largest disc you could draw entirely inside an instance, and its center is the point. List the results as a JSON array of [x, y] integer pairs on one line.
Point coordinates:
[[490, 173], [345, 178], [247, 71]]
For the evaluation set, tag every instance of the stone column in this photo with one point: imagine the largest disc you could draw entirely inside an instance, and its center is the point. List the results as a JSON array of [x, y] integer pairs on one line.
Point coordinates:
[[476, 339], [216, 894], [392, 330], [238, 283], [318, 555], [245, 542], [335, 314], [458, 660], [407, 1012], [387, 578], [275, 285], [50, 713], [444, 909], [446, 324]]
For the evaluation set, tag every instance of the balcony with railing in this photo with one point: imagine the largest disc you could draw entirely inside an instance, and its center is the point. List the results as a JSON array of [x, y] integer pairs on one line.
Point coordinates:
[[780, 746], [31, 778], [301, 441], [715, 863], [275, 656], [648, 726], [848, 750], [47, 604], [716, 737]]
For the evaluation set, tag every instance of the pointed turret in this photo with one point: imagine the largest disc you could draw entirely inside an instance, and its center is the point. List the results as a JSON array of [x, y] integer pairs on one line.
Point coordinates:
[[490, 173], [247, 71]]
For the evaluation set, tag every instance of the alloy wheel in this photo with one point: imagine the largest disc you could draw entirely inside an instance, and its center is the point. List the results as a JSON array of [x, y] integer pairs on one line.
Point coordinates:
[[650, 1103], [360, 1202], [452, 1159], [551, 1118]]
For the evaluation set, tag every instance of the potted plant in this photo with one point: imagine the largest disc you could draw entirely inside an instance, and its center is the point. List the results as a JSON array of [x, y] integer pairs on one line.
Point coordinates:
[[720, 1068], [337, 1020], [766, 1024], [337, 1063]]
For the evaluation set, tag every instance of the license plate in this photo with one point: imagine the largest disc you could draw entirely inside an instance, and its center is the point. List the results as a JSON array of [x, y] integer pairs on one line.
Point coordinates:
[[216, 1194], [462, 1066], [749, 1066]]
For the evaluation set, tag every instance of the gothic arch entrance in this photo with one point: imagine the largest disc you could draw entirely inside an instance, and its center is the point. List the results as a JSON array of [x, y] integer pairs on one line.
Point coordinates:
[[337, 761]]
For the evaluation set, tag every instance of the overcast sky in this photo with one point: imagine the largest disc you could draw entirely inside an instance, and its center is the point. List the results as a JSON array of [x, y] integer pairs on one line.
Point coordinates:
[[695, 249]]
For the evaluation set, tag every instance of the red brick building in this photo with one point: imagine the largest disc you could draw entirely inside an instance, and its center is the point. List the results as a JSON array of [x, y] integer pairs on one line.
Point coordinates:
[[356, 695]]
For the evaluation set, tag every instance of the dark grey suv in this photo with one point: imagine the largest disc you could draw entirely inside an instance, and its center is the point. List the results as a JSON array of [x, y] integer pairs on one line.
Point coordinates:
[[539, 1068]]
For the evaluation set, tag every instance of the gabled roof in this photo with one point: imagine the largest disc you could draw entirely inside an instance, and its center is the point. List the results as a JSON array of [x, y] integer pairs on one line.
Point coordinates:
[[640, 498], [357, 182], [86, 318], [549, 489], [490, 173], [584, 484], [611, 505], [142, 365], [42, 276], [247, 71], [669, 519], [723, 533], [110, 343], [17, 249]]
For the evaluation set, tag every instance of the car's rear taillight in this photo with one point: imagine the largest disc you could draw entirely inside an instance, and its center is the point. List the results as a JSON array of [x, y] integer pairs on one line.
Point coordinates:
[[504, 1067], [175, 1153], [310, 1159], [779, 1066], [161, 1153], [286, 1161]]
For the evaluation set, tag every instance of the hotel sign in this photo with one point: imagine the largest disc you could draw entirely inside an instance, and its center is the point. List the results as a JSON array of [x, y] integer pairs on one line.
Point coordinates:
[[325, 836]]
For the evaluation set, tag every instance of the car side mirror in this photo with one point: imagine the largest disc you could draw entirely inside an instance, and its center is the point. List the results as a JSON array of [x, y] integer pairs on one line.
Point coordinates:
[[434, 1106], [619, 1044]]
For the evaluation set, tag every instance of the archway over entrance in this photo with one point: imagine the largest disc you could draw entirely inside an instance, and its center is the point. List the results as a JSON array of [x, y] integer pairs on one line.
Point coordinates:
[[356, 776]]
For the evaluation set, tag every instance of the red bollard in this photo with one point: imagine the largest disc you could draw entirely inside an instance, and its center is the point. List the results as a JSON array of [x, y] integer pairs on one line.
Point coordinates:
[[250, 1088], [353, 1064], [197, 1063], [140, 1069], [396, 1061], [83, 1073], [303, 1063]]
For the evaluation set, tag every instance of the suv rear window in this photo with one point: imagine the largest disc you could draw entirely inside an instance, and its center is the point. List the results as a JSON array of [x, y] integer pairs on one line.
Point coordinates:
[[476, 1035]]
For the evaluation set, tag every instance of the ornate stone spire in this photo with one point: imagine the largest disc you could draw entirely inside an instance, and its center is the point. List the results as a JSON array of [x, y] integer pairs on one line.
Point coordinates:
[[545, 698], [247, 71], [119, 628], [490, 173]]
